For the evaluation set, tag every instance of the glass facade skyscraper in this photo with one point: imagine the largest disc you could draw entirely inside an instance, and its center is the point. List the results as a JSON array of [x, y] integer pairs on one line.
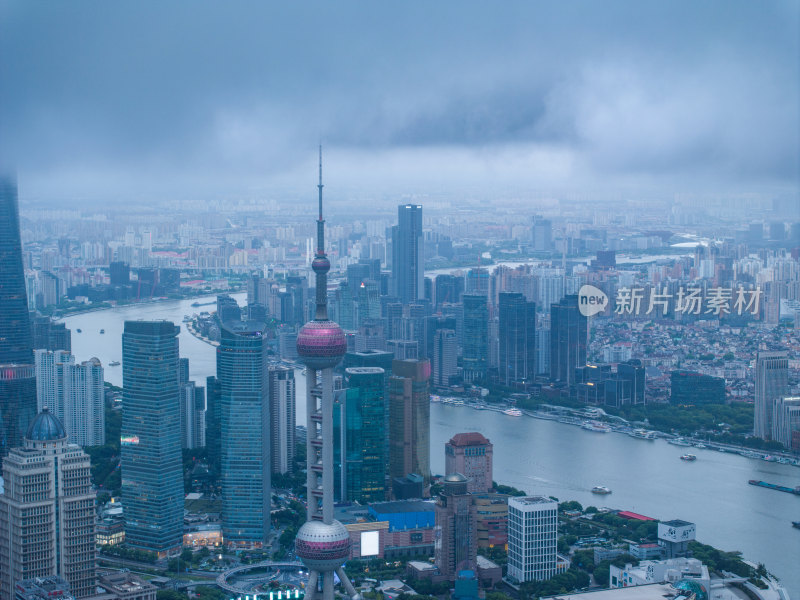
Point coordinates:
[[568, 337], [365, 435], [243, 374], [410, 419], [475, 349], [408, 258], [17, 375], [152, 466], [517, 332]]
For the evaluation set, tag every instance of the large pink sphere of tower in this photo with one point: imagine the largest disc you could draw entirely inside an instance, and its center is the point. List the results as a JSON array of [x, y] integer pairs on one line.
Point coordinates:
[[321, 344], [322, 546]]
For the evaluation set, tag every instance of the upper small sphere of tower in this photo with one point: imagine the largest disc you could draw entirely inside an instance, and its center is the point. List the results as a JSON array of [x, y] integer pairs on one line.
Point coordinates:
[[321, 264]]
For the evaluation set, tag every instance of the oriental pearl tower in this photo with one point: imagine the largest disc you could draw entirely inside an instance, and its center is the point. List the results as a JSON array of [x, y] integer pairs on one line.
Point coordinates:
[[322, 543]]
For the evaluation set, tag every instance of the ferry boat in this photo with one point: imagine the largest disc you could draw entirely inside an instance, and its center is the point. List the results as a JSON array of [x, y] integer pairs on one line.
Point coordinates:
[[479, 407], [643, 434], [596, 426], [114, 363], [78, 330], [770, 458], [102, 331], [688, 457], [600, 489], [750, 454], [701, 446], [679, 442], [513, 412], [796, 524]]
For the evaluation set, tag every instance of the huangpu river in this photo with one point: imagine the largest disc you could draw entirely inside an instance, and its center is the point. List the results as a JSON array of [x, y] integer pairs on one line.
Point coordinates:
[[555, 459]]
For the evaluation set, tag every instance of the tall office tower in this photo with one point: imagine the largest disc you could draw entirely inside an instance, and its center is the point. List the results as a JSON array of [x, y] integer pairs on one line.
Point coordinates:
[[772, 382], [151, 460], [568, 337], [410, 419], [119, 273], [471, 455], [785, 420], [47, 520], [75, 394], [322, 543], [228, 309], [282, 403], [475, 349], [49, 335], [532, 537], [258, 289], [213, 421], [357, 274], [543, 347], [542, 234], [457, 525], [403, 349], [370, 336], [243, 375], [448, 289], [17, 378], [365, 435], [193, 415], [408, 258], [445, 357], [367, 301], [517, 334]]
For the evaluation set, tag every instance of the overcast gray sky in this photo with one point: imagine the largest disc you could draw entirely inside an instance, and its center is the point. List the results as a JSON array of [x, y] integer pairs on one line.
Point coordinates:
[[119, 100]]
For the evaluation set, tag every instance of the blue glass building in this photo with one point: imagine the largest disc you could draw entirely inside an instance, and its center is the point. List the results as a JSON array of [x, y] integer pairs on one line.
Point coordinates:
[[152, 466], [17, 376], [243, 374], [475, 353]]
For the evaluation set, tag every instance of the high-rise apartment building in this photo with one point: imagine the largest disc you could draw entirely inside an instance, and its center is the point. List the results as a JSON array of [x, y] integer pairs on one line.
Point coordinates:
[[475, 349], [542, 234], [444, 361], [409, 419], [151, 459], [772, 383], [47, 519], [364, 455], [568, 339], [17, 378], [471, 455], [282, 409], [408, 258], [193, 415], [457, 527], [74, 393], [245, 433], [517, 332], [785, 419], [532, 538]]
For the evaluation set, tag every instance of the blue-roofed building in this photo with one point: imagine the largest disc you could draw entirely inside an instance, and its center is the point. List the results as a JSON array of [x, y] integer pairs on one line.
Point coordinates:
[[402, 515]]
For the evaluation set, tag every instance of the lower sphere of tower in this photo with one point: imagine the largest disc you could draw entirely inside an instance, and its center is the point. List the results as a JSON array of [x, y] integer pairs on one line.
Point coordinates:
[[322, 546], [321, 264], [321, 344]]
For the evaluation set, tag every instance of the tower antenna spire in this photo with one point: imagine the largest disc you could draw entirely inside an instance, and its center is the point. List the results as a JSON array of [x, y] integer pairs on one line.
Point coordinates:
[[319, 186]]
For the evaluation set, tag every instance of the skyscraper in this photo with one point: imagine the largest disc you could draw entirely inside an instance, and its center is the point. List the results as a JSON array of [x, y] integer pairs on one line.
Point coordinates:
[[322, 543], [772, 382], [568, 336], [17, 378], [151, 460], [517, 332], [365, 435], [47, 518], [542, 234], [445, 357], [410, 419], [471, 455], [282, 403], [74, 393], [408, 258], [475, 350], [532, 537], [457, 525], [245, 433]]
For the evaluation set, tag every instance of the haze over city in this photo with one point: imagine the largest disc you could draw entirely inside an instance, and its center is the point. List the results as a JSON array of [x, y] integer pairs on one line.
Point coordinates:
[[525, 99]]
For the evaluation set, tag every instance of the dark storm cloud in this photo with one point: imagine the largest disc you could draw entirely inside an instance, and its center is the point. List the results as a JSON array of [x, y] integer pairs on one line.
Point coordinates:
[[126, 98]]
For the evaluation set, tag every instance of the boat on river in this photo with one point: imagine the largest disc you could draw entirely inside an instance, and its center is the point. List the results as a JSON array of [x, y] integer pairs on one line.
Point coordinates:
[[600, 489], [513, 412], [776, 487], [689, 457], [679, 442], [596, 426], [114, 363], [643, 434]]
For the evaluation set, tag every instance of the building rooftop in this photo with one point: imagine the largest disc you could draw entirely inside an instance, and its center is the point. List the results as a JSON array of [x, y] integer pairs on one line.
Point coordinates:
[[471, 438], [403, 506], [46, 427], [677, 523], [532, 500], [656, 591]]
